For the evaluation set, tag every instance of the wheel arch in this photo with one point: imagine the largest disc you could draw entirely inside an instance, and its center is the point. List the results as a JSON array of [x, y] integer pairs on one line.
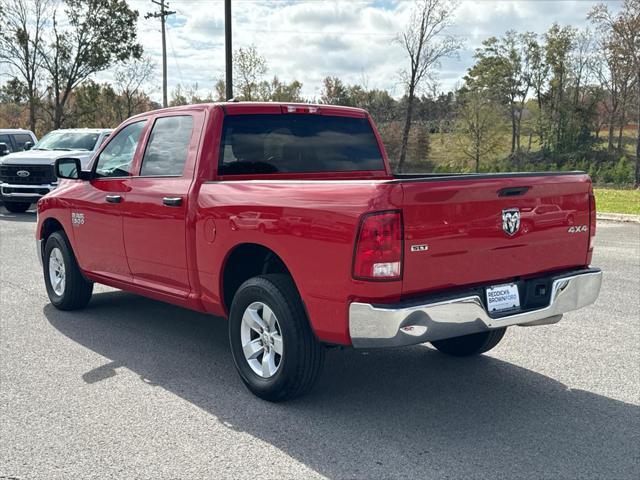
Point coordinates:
[[244, 261], [49, 226]]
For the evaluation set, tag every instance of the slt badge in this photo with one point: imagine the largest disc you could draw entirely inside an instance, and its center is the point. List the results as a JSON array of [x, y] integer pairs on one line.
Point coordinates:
[[511, 221]]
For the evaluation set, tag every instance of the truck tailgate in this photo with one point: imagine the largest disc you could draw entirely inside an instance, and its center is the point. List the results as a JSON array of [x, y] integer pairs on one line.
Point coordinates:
[[454, 234]]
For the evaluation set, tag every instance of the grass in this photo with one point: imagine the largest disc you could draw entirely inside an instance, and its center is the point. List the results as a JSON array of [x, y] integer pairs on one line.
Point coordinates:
[[618, 201]]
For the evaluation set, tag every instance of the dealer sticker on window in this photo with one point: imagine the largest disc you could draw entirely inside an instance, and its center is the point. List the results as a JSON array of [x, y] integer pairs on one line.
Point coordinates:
[[503, 297]]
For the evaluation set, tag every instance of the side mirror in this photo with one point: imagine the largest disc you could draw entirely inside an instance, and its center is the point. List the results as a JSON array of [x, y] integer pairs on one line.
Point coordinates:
[[4, 150], [70, 168], [27, 146]]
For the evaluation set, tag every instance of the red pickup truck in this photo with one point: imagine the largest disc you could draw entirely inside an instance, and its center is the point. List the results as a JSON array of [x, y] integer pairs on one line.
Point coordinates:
[[287, 220]]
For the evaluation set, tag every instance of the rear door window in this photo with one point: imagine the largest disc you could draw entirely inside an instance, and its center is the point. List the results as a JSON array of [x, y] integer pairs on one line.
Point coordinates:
[[297, 143], [168, 145], [7, 141], [21, 139]]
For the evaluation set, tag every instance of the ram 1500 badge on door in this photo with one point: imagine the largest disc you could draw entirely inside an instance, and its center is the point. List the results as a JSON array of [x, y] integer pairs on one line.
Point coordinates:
[[287, 220]]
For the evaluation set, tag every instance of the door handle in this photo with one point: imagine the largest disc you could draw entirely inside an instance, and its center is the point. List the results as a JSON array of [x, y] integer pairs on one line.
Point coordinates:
[[114, 198], [172, 201]]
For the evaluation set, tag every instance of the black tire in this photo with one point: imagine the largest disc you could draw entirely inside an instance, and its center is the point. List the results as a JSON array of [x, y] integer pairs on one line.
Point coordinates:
[[302, 355], [468, 345], [77, 289], [17, 207]]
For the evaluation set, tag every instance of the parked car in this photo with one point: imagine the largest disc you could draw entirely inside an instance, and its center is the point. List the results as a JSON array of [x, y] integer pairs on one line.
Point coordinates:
[[156, 213], [25, 176], [15, 140]]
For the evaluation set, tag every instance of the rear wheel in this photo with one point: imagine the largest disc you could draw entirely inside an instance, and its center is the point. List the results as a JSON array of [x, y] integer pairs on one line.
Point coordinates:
[[273, 346], [17, 207], [66, 286], [468, 345]]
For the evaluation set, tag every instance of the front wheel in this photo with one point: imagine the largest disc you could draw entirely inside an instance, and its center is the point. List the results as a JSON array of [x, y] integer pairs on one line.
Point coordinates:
[[273, 346], [17, 207], [66, 286], [468, 345]]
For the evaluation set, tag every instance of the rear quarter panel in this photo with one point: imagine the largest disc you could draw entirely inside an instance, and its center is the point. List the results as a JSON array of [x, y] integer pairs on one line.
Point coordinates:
[[310, 225]]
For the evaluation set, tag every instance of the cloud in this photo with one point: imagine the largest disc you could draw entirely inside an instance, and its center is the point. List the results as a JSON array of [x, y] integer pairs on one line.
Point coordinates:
[[309, 40]]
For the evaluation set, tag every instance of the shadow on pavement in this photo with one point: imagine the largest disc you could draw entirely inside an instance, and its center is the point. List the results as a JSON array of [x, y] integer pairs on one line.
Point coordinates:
[[27, 217], [397, 413]]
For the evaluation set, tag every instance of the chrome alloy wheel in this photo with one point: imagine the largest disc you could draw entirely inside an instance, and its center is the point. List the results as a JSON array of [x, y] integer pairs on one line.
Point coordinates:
[[56, 271], [261, 339]]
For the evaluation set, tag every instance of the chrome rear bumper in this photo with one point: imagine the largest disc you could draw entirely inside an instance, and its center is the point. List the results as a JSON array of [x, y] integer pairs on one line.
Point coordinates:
[[373, 326]]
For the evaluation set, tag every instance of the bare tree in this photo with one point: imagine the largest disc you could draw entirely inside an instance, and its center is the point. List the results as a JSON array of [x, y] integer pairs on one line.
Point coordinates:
[[21, 42], [425, 46], [250, 67], [625, 29], [129, 78]]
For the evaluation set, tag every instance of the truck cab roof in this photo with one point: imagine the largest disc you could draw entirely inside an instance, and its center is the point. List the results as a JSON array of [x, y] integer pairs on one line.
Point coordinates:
[[258, 108], [14, 130]]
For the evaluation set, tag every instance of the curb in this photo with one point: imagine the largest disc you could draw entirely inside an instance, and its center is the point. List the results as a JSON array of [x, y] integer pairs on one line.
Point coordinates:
[[618, 217]]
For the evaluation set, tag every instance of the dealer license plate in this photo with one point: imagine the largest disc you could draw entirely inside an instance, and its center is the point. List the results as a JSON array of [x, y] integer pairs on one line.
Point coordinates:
[[503, 297]]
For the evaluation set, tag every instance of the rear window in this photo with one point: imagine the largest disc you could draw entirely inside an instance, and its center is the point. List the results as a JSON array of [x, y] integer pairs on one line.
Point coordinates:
[[297, 143]]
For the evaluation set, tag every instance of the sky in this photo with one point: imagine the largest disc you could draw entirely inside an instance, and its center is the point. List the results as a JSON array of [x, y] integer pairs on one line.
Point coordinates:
[[307, 40]]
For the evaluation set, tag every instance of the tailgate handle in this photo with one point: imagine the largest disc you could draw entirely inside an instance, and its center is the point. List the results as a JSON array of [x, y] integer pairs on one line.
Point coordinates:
[[513, 191]]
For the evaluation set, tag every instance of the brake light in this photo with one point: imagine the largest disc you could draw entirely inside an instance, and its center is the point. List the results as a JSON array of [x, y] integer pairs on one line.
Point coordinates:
[[592, 221], [299, 109], [378, 251]]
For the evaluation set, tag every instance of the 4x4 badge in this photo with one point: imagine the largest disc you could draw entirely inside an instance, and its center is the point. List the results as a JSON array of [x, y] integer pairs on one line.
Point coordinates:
[[511, 221]]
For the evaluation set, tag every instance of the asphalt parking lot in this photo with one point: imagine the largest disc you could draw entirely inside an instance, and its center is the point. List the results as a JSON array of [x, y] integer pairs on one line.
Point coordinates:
[[133, 388]]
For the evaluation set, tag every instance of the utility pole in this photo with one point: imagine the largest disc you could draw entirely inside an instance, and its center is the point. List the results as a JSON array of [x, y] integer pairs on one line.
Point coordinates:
[[228, 50], [162, 14]]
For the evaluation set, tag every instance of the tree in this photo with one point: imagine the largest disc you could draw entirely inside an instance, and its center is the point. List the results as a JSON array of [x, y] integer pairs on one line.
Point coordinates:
[[334, 92], [425, 45], [12, 97], [249, 67], [220, 90], [539, 76], [625, 28], [188, 95], [478, 126], [504, 70], [21, 38], [614, 71], [559, 44], [95, 35], [278, 91], [129, 78]]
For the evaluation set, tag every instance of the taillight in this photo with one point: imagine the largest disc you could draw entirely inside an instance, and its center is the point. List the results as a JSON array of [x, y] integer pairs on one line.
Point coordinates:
[[378, 252], [592, 221]]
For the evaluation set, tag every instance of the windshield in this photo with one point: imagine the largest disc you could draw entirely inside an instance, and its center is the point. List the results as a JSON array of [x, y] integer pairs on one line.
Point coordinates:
[[67, 141]]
